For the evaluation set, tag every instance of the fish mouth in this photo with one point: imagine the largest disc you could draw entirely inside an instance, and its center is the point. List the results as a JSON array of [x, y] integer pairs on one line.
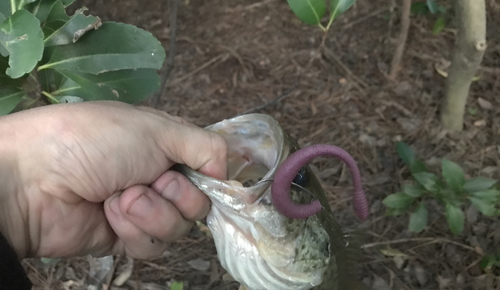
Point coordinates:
[[256, 244], [256, 147], [255, 144]]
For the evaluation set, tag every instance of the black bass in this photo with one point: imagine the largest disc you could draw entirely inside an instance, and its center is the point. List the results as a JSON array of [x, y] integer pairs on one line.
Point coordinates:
[[262, 242]]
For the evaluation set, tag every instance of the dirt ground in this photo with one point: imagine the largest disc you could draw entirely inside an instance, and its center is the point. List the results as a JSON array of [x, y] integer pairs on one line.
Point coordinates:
[[236, 55]]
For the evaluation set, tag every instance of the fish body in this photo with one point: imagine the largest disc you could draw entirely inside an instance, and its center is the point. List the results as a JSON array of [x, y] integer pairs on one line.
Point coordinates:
[[258, 246]]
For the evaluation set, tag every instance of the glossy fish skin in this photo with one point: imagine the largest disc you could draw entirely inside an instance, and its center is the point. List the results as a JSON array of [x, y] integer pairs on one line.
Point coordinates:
[[259, 247]]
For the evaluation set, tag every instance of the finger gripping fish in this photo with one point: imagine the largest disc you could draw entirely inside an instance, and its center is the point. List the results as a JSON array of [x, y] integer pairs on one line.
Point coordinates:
[[260, 240]]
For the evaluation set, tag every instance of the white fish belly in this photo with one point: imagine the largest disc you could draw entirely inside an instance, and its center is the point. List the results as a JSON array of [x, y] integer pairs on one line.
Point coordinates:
[[238, 254]]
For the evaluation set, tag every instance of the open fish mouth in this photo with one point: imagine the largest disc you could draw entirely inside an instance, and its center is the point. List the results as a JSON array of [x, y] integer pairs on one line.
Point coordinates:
[[256, 244]]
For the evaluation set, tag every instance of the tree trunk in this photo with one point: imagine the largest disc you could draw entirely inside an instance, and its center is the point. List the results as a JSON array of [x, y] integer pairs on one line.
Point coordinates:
[[469, 50]]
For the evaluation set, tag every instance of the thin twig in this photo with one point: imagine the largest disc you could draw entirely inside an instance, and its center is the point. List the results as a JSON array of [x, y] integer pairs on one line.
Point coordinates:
[[403, 35], [366, 17], [172, 9], [255, 5], [392, 7], [358, 83], [272, 102], [206, 64]]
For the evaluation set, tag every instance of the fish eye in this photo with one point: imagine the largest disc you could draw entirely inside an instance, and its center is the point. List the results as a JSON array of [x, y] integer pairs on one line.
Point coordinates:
[[301, 178]]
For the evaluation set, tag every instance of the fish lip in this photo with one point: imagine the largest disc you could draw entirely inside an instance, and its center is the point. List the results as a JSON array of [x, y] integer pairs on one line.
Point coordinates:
[[276, 131], [251, 194]]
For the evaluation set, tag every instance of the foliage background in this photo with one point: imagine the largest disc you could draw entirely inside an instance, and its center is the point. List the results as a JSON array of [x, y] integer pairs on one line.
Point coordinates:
[[237, 55]]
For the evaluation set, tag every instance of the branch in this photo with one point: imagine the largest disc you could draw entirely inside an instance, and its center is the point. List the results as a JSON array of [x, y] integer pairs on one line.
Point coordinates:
[[469, 51], [169, 64], [272, 102], [403, 35]]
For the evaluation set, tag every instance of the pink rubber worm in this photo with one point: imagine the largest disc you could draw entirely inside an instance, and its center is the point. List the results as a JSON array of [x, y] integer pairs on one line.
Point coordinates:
[[287, 171]]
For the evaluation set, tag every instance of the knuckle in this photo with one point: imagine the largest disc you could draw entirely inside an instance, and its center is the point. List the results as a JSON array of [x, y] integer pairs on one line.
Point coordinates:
[[218, 144], [172, 225]]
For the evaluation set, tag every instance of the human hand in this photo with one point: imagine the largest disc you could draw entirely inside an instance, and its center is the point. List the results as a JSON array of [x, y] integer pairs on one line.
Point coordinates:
[[93, 178]]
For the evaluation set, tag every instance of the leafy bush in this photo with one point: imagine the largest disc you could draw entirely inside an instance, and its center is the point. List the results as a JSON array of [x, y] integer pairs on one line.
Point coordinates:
[[431, 6], [452, 191], [490, 262], [44, 53], [311, 11]]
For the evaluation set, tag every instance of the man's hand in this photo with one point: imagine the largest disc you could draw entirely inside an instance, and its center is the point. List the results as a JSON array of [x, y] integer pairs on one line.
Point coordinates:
[[93, 178]]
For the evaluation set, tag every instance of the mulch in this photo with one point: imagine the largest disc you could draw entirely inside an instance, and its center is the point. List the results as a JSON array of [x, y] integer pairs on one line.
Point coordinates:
[[248, 56]]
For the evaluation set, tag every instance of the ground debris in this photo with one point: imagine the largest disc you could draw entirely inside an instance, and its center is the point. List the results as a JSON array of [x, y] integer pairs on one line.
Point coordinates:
[[237, 55]]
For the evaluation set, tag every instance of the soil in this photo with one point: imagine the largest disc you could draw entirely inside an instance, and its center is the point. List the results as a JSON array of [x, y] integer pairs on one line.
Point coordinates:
[[237, 55]]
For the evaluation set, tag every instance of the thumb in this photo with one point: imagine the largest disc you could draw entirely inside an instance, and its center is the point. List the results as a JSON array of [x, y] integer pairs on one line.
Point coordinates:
[[198, 148]]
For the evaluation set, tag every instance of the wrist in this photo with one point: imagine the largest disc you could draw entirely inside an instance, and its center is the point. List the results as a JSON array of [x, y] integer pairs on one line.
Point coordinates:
[[11, 209]]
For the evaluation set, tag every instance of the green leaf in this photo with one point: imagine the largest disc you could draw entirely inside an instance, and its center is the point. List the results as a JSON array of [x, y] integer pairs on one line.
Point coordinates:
[[114, 46], [8, 7], [22, 37], [485, 207], [490, 195], [42, 8], [455, 218], [9, 98], [419, 8], [428, 180], [418, 219], [441, 9], [398, 200], [177, 286], [408, 156], [129, 86], [340, 6], [309, 11], [453, 175], [439, 25], [488, 262], [67, 2], [413, 190], [433, 7], [57, 13], [395, 211], [405, 153], [71, 30], [5, 9], [478, 184], [417, 166]]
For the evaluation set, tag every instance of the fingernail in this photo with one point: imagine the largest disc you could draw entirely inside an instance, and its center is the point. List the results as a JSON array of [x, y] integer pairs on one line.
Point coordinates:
[[173, 190], [141, 207]]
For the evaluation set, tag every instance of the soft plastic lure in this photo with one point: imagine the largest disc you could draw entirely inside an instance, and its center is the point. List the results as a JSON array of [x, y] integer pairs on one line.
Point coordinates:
[[289, 169]]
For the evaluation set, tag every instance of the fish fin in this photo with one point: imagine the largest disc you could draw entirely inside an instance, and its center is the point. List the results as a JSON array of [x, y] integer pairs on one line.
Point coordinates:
[[352, 254]]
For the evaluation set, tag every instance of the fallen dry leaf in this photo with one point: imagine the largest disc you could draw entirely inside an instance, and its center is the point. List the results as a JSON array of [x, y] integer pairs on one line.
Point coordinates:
[[126, 272], [485, 104], [199, 264], [480, 123]]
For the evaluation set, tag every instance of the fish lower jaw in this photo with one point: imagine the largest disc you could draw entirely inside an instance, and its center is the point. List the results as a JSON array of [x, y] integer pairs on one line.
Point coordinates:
[[240, 256]]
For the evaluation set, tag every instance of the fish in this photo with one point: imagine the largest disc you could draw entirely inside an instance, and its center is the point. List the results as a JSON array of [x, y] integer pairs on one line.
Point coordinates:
[[259, 245]]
